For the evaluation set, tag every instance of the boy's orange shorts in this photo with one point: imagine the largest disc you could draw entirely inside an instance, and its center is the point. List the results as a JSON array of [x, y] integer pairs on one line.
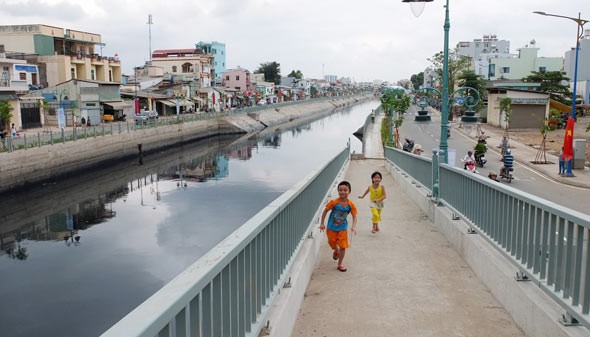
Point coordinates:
[[339, 238]]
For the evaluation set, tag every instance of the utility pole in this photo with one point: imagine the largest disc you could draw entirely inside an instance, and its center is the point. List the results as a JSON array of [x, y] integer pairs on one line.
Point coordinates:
[[150, 23]]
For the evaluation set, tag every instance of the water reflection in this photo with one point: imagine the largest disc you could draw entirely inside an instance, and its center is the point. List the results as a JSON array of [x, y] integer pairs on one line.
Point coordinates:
[[111, 237]]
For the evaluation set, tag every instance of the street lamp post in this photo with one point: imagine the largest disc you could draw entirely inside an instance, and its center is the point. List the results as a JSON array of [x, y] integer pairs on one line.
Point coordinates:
[[569, 138], [444, 123]]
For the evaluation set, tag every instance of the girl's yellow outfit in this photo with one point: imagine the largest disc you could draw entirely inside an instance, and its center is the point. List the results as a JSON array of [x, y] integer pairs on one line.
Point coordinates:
[[376, 206]]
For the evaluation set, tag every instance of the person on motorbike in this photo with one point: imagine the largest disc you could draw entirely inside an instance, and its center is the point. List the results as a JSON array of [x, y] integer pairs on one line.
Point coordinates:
[[480, 149], [468, 159], [508, 160]]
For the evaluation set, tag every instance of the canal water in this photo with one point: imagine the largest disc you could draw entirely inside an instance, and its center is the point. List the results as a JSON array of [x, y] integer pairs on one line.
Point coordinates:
[[80, 253]]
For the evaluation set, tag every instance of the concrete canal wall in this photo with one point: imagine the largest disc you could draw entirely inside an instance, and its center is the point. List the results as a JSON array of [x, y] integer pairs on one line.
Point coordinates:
[[23, 167]]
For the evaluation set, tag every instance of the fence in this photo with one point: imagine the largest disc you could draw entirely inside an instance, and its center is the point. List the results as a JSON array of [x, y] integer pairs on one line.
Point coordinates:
[[228, 291], [546, 242], [10, 144]]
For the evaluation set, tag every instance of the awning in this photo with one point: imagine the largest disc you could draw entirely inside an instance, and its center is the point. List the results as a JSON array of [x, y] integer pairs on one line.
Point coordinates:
[[119, 105], [173, 103], [8, 96], [168, 103], [198, 99]]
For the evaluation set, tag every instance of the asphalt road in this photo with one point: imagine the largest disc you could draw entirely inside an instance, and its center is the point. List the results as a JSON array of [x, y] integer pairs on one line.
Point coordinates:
[[525, 179]]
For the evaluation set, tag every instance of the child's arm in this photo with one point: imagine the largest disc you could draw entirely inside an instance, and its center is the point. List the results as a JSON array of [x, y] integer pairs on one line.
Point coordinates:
[[366, 191], [353, 228], [384, 194], [322, 226]]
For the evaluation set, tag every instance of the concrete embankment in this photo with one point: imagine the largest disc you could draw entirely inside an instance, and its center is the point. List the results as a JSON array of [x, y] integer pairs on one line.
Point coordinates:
[[24, 167]]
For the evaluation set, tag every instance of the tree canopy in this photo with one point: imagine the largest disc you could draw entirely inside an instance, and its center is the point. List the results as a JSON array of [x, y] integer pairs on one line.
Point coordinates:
[[271, 71], [417, 80], [457, 64], [551, 82], [296, 73]]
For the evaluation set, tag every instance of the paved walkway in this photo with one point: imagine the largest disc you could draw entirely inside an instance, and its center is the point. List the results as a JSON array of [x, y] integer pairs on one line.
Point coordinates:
[[406, 280]]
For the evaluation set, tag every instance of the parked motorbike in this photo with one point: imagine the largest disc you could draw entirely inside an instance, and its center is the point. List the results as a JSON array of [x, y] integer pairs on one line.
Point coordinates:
[[506, 173], [408, 145]]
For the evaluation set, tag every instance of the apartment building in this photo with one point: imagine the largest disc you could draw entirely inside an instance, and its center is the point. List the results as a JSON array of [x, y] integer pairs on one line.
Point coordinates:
[[61, 54], [217, 50], [189, 64]]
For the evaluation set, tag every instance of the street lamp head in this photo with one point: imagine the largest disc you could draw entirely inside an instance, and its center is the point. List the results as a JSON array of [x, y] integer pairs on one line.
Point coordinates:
[[540, 13], [417, 6]]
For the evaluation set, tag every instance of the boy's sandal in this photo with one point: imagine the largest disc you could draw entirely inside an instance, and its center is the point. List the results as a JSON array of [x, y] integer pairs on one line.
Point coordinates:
[[335, 255], [341, 268]]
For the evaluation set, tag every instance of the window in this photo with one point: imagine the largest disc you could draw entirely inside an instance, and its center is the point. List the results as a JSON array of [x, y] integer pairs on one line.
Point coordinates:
[[237, 77], [505, 70], [227, 77], [92, 74], [73, 72], [173, 69], [542, 69], [22, 76]]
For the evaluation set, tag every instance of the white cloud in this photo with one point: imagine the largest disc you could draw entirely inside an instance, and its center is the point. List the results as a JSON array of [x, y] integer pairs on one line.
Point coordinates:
[[365, 40]]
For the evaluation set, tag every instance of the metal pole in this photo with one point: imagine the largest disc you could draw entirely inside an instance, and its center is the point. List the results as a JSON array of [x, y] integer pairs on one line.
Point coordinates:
[[570, 163], [445, 94]]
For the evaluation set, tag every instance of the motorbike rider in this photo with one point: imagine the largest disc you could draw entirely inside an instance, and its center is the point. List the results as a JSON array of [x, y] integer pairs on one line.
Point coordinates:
[[480, 149], [468, 159], [508, 160]]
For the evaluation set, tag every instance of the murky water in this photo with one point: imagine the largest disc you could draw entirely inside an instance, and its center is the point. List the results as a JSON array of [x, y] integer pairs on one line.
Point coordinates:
[[79, 254]]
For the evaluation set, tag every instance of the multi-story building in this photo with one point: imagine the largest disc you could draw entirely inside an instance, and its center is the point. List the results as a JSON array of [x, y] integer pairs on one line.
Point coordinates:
[[61, 54], [481, 51], [238, 79], [190, 64], [488, 44], [522, 64], [583, 87], [217, 50]]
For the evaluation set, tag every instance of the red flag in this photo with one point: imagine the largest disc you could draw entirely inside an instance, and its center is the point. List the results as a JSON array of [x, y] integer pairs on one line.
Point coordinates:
[[568, 140], [213, 98], [136, 106]]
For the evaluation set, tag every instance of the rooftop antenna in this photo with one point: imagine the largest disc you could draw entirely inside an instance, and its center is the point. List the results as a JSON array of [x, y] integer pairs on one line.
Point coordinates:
[[150, 23]]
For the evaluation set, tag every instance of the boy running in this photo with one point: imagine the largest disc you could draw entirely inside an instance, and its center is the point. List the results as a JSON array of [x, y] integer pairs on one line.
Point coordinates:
[[337, 224]]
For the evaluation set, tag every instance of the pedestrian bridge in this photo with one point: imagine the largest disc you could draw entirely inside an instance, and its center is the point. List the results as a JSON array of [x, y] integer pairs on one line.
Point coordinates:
[[529, 255]]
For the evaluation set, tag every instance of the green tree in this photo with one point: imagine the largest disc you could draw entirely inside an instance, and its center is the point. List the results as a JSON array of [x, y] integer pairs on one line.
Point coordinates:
[[506, 110], [296, 73], [551, 82], [468, 78], [5, 114], [417, 80], [313, 91], [457, 64], [271, 71]]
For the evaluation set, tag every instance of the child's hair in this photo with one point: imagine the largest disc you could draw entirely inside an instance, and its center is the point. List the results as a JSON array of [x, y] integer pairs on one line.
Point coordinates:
[[376, 173], [345, 183]]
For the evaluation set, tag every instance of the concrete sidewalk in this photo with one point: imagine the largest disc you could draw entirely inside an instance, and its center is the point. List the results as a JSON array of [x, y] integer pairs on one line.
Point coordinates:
[[406, 280]]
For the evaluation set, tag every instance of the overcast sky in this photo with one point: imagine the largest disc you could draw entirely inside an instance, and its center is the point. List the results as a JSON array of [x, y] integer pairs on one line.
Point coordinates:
[[363, 40]]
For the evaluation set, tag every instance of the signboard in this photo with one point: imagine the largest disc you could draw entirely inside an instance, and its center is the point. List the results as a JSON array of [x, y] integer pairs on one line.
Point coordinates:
[[61, 118]]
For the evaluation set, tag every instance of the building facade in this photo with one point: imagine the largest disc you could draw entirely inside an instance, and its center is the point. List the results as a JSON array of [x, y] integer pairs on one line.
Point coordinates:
[[61, 54], [583, 87], [217, 50], [190, 64], [523, 64], [238, 79]]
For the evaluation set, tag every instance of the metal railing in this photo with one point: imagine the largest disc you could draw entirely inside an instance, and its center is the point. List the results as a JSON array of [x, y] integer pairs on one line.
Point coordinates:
[[55, 136], [546, 242], [229, 290], [421, 167]]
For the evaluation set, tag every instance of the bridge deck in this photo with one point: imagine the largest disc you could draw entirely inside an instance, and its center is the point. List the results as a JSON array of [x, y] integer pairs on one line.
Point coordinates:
[[406, 280]]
